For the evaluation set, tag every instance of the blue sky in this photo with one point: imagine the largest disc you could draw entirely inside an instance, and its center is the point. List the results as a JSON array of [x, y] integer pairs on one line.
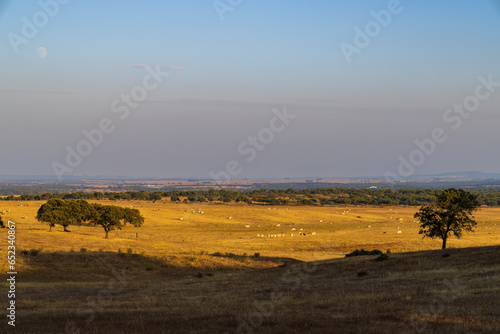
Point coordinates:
[[225, 77]]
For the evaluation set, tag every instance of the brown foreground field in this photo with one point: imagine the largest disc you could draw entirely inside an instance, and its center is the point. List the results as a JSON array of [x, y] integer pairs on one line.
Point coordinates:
[[164, 277]]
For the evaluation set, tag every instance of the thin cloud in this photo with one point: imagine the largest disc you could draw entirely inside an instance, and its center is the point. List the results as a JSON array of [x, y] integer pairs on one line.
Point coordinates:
[[141, 65]]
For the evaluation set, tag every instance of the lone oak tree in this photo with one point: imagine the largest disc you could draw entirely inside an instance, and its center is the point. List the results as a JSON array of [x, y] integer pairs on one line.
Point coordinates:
[[132, 216], [112, 217], [450, 213]]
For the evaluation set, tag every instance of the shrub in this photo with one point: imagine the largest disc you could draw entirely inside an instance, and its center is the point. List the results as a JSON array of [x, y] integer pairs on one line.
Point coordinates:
[[83, 250], [364, 252], [130, 251], [24, 252], [382, 257], [217, 254], [362, 273], [34, 252], [256, 255]]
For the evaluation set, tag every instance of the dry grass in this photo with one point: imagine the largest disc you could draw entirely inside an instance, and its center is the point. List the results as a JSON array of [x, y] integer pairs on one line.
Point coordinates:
[[170, 282], [165, 234]]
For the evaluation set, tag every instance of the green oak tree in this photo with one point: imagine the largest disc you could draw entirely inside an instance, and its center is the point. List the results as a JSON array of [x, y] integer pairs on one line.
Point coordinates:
[[132, 216], [449, 214], [79, 211], [112, 217], [54, 211]]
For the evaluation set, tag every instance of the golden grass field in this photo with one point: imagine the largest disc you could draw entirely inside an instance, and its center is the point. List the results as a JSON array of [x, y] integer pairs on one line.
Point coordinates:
[[173, 283], [164, 234]]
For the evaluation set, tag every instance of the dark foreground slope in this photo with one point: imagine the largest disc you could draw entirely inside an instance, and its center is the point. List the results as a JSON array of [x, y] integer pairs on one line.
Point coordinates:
[[451, 291]]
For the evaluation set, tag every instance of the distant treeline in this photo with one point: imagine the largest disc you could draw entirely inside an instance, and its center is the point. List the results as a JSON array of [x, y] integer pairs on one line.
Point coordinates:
[[16, 189], [319, 196]]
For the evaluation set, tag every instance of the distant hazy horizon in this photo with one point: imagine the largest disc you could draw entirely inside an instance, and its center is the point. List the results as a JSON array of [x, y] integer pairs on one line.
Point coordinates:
[[281, 89], [464, 175]]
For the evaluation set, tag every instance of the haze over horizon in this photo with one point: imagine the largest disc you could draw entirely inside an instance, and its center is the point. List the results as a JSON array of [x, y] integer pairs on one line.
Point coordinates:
[[256, 90]]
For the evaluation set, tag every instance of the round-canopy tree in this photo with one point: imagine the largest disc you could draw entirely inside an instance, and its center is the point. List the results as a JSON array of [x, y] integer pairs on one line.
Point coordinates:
[[450, 213], [112, 217], [79, 211], [54, 211], [132, 216]]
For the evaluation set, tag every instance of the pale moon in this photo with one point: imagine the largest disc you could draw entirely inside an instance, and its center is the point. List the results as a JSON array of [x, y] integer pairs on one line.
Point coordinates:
[[41, 52]]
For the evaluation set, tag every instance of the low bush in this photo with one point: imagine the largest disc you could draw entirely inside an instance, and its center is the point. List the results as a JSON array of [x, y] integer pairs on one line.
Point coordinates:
[[382, 257], [362, 273], [364, 252], [34, 252]]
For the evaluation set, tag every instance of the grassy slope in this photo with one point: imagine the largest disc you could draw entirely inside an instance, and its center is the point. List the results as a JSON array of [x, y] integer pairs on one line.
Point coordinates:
[[160, 292], [408, 292]]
